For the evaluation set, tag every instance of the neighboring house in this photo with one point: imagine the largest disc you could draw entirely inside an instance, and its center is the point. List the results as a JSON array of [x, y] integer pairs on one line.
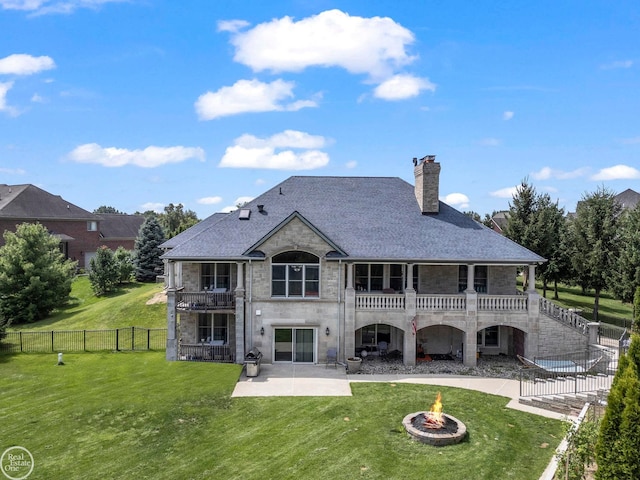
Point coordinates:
[[119, 230], [499, 221], [80, 232], [353, 263], [628, 199]]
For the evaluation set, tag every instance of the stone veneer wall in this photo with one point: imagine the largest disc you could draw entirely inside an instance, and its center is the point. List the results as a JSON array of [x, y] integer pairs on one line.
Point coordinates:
[[502, 280], [438, 279], [556, 338]]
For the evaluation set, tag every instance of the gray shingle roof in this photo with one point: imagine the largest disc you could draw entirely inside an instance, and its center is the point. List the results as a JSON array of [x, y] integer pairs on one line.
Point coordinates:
[[32, 203], [119, 225], [367, 218]]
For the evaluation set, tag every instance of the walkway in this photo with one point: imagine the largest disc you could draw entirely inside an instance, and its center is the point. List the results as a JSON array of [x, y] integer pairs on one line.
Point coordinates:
[[288, 380]]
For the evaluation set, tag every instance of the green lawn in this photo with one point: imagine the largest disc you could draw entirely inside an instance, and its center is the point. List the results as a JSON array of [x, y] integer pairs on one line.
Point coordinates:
[[124, 308], [134, 415]]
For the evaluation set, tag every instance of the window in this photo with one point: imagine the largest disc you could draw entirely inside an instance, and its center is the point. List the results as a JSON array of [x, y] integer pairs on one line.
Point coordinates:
[[489, 337], [374, 334], [369, 277], [479, 281], [295, 274], [415, 278], [396, 277], [213, 327], [92, 226], [215, 275]]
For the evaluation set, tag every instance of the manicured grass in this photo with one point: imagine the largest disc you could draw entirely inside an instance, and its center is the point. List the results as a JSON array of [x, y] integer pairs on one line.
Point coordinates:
[[134, 415], [572, 297], [123, 308]]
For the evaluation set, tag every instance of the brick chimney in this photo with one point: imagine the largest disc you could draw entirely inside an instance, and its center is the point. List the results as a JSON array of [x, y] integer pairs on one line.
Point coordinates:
[[427, 173]]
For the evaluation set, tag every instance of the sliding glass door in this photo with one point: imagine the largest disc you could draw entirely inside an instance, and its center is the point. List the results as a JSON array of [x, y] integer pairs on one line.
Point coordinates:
[[295, 345]]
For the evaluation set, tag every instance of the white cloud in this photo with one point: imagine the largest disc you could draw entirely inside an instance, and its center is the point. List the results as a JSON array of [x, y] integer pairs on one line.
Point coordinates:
[[4, 88], [249, 151], [43, 7], [249, 96], [153, 206], [209, 200], [617, 172], [37, 98], [351, 164], [260, 181], [23, 64], [508, 115], [402, 86], [508, 192], [547, 173], [373, 46], [239, 201], [148, 158], [617, 64], [232, 25], [490, 142], [459, 200]]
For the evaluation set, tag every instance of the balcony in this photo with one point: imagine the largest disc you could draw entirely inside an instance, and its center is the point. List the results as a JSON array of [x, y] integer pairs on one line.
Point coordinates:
[[205, 301], [204, 352], [431, 303]]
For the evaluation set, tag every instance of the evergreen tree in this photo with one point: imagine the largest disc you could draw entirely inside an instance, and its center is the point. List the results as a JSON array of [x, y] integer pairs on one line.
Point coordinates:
[[124, 263], [35, 278], [521, 217], [107, 209], [147, 250], [103, 274], [549, 225], [596, 242]]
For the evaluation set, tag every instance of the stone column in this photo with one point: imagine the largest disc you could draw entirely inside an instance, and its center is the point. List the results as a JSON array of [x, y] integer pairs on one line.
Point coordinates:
[[531, 287], [172, 275], [593, 332], [409, 347], [240, 314], [349, 316], [471, 329], [471, 278], [171, 353]]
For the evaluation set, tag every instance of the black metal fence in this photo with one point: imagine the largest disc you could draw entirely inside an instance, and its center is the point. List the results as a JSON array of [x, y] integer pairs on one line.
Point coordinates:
[[580, 372], [119, 339]]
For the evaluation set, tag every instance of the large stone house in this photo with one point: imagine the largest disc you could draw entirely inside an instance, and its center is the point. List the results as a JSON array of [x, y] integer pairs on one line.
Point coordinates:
[[354, 264], [80, 232]]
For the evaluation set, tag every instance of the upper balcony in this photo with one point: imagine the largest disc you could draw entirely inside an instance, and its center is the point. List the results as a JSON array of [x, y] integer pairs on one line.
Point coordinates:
[[490, 303], [205, 301]]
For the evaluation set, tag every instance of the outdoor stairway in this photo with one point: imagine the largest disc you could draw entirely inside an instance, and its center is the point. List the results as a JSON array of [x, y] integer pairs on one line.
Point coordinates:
[[567, 403]]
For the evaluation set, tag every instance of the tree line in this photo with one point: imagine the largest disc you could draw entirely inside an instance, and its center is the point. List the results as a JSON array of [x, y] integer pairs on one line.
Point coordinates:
[[597, 248]]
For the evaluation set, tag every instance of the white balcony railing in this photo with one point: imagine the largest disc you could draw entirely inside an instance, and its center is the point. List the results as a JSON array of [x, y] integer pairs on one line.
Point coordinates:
[[441, 302], [502, 302], [391, 301]]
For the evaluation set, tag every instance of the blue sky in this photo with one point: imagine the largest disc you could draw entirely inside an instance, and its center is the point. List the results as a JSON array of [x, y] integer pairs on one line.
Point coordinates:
[[137, 104]]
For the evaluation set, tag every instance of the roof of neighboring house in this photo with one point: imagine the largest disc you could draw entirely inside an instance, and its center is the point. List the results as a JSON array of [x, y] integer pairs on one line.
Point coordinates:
[[119, 226], [500, 219], [362, 218], [628, 199], [29, 202]]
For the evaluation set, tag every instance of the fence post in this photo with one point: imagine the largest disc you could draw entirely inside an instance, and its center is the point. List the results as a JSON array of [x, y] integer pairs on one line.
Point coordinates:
[[133, 338], [148, 339], [52, 347], [117, 340], [84, 340]]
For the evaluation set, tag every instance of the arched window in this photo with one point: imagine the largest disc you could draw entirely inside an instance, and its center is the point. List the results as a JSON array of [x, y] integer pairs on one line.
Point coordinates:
[[295, 274]]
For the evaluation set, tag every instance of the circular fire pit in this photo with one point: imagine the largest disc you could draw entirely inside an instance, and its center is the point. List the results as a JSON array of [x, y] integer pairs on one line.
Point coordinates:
[[419, 427]]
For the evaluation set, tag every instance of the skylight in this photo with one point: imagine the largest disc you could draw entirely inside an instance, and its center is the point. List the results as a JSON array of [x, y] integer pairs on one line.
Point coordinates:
[[245, 213]]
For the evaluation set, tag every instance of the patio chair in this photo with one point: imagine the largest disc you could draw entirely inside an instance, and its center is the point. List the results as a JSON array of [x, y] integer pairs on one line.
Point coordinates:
[[383, 349], [332, 357]]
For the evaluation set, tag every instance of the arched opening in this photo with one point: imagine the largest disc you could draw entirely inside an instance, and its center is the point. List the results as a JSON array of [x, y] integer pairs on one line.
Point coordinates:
[[295, 274], [439, 342], [501, 340], [377, 338]]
